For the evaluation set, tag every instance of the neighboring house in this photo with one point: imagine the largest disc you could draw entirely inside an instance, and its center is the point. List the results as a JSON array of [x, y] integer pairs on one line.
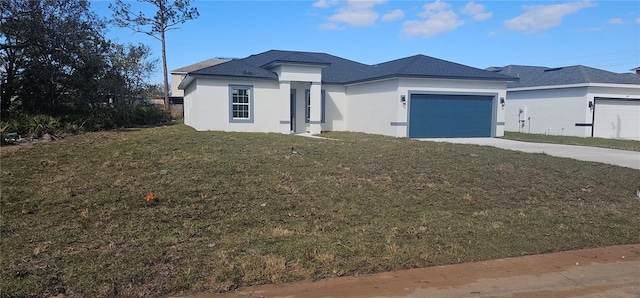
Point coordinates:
[[294, 92], [572, 101], [178, 74]]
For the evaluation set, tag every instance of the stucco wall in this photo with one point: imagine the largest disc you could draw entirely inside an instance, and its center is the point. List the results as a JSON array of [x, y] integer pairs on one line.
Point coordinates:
[[553, 112], [372, 106], [299, 73], [335, 108], [189, 98], [209, 106], [617, 91]]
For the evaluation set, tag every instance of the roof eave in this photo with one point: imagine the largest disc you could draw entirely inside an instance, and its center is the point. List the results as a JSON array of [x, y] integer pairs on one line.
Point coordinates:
[[186, 81], [219, 76], [512, 79], [579, 85]]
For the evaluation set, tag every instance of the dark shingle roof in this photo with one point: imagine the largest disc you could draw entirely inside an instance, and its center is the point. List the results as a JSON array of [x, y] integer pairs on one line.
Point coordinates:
[[236, 68], [535, 76], [338, 70], [421, 66], [299, 58]]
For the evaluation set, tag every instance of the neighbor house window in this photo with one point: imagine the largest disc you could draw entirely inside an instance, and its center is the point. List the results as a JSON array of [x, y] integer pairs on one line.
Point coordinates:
[[241, 104], [307, 106]]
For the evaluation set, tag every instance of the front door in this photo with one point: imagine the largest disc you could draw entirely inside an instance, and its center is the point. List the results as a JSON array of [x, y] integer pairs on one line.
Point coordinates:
[[293, 110]]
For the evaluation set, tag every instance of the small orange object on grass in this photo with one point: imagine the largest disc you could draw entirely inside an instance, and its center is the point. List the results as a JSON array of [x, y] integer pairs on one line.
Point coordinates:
[[149, 197]]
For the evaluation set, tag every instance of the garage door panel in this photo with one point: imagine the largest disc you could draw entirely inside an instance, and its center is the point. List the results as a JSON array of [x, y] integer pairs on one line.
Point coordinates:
[[450, 116], [617, 119]]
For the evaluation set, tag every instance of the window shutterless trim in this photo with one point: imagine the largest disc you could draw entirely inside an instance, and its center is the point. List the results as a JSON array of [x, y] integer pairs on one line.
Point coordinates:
[[248, 105], [322, 105], [307, 108], [307, 105]]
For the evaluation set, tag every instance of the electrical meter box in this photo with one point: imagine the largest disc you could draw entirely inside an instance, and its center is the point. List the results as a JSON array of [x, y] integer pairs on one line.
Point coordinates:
[[522, 117]]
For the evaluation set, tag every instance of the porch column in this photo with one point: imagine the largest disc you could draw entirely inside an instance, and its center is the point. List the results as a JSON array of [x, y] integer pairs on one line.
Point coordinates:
[[284, 102], [315, 113]]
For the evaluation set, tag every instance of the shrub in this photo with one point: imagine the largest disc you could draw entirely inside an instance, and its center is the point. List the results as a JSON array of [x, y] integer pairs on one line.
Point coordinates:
[[40, 125], [100, 118], [94, 119], [149, 114], [17, 124]]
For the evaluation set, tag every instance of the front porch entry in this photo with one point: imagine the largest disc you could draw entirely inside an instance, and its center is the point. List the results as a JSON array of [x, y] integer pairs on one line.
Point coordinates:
[[305, 107]]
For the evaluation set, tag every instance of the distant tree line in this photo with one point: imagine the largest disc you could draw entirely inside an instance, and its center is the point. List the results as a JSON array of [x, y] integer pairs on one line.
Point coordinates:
[[56, 61]]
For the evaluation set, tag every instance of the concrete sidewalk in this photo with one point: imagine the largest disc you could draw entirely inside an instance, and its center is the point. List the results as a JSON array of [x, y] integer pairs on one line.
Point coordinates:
[[630, 159], [601, 272]]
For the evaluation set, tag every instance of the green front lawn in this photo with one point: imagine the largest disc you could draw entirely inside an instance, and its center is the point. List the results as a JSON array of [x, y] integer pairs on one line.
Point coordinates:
[[235, 209], [593, 142]]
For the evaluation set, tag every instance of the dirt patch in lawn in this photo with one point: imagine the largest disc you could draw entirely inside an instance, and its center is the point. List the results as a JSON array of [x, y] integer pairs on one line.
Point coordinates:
[[597, 271]]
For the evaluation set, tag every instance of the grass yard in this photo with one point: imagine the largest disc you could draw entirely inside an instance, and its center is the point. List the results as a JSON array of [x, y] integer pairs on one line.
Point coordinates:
[[236, 209], [593, 142]]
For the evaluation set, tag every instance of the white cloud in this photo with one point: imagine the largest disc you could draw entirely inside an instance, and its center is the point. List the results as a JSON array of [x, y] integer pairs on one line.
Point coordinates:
[[330, 26], [434, 7], [320, 4], [476, 11], [393, 15], [441, 23], [541, 17], [616, 21], [355, 17], [439, 19], [324, 3], [358, 13], [638, 20], [364, 4]]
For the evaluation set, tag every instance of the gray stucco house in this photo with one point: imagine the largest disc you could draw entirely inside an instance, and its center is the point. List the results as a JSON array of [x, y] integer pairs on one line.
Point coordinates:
[[293, 92], [573, 101]]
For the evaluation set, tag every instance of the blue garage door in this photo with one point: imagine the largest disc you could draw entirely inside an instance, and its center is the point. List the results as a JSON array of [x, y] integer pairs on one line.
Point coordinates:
[[450, 116]]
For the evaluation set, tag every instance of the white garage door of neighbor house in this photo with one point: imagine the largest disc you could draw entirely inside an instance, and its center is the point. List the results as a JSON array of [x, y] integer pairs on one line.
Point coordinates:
[[617, 118]]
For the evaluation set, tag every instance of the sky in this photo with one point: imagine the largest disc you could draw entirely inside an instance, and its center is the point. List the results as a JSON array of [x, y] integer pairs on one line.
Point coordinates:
[[602, 34]]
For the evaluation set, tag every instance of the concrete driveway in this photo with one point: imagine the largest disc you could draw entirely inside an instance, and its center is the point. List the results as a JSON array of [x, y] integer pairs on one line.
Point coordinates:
[[629, 159]]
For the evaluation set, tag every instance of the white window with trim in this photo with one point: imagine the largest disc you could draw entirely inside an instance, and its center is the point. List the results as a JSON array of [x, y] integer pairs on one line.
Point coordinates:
[[240, 104]]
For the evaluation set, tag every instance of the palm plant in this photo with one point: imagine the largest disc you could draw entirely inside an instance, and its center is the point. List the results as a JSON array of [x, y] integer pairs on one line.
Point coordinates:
[[40, 125]]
